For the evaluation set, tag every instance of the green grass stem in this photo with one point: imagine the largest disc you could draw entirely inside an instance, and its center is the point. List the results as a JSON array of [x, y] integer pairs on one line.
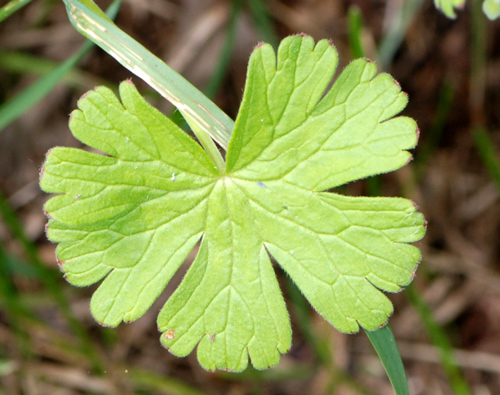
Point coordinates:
[[355, 29], [21, 103], [24, 63], [11, 7], [385, 345]]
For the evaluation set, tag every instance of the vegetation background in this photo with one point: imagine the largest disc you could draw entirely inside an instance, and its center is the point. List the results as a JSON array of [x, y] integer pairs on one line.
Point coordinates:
[[447, 323]]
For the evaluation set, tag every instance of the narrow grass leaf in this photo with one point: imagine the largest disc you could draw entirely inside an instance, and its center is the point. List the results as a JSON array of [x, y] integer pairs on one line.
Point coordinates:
[[21, 63], [385, 345], [21, 103], [355, 28]]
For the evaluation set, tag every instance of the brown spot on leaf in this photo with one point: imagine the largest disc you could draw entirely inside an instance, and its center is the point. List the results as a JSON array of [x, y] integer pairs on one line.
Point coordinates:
[[170, 334]]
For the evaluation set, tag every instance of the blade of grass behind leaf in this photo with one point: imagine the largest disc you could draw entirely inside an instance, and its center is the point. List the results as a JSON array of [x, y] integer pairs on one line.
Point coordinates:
[[385, 345], [11, 7], [21, 103], [355, 25], [17, 62], [192, 103]]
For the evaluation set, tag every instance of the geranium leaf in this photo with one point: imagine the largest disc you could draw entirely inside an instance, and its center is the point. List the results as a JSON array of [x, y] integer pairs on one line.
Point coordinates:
[[132, 217]]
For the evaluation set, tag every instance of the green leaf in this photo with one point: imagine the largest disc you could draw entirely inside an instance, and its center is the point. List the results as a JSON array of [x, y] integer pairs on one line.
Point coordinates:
[[448, 6], [491, 8], [132, 217]]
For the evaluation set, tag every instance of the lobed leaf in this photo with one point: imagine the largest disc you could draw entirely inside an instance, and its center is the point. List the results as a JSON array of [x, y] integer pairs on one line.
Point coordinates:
[[132, 216]]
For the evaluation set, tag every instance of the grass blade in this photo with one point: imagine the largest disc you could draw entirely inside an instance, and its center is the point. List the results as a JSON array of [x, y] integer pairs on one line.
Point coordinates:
[[355, 27], [385, 345], [17, 106], [21, 63], [193, 104], [11, 7], [21, 103]]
